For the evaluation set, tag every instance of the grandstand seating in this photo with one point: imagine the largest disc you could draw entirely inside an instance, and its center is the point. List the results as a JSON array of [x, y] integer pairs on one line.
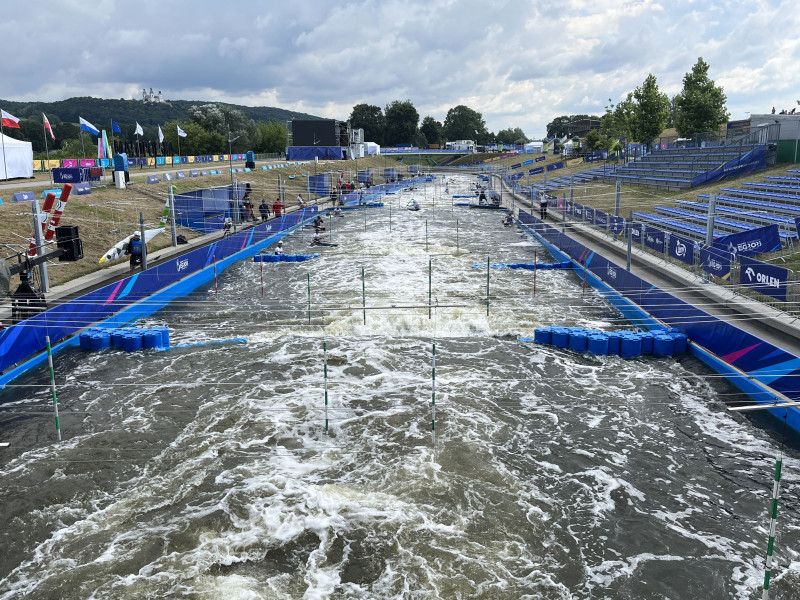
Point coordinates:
[[672, 169]]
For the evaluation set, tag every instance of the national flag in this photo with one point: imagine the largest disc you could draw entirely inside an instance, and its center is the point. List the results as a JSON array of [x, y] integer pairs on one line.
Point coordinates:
[[9, 120], [160, 135], [181, 132], [114, 127], [139, 130], [86, 126], [48, 128]]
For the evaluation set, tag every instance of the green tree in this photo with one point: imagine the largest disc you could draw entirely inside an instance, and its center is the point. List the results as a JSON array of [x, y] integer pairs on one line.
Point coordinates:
[[512, 136], [369, 118], [401, 123], [198, 140], [673, 111], [221, 118], [617, 123], [432, 130], [463, 123], [565, 124], [650, 111], [271, 137], [701, 104]]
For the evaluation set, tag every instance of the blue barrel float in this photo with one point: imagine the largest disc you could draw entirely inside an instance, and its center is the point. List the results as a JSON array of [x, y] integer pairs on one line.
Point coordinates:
[[630, 346], [578, 341], [543, 335], [132, 341], [560, 337], [598, 344], [128, 339]]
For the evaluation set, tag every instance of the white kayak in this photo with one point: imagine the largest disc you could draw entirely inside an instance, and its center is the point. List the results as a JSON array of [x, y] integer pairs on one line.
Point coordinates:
[[118, 251]]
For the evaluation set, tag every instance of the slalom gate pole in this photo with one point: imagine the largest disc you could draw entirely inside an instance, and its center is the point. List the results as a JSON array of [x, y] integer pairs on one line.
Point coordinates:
[[583, 291], [390, 218], [325, 369], [53, 385], [534, 273], [426, 235], [433, 393], [216, 289], [262, 277], [487, 286], [430, 271], [365, 218], [363, 296], [457, 248], [308, 279], [773, 522]]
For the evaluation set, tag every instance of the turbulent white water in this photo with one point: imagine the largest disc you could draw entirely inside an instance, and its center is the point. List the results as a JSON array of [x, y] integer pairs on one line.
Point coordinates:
[[207, 471]]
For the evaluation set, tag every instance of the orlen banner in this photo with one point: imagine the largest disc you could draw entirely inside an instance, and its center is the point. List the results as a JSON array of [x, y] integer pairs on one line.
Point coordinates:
[[763, 278]]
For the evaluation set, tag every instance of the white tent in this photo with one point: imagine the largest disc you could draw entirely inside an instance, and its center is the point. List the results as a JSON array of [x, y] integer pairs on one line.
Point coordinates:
[[371, 148], [16, 158]]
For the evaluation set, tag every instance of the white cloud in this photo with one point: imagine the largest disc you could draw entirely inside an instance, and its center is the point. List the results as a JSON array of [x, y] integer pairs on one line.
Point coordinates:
[[520, 64]]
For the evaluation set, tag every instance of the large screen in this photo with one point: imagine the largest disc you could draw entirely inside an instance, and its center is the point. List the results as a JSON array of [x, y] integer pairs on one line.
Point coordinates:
[[321, 132]]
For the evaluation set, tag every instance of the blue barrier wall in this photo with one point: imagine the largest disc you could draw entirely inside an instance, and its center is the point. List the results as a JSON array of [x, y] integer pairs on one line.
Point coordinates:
[[744, 355], [27, 338]]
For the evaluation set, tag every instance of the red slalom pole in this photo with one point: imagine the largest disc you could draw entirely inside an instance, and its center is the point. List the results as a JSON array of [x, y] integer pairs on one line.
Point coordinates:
[[61, 206], [534, 272], [43, 216], [214, 258]]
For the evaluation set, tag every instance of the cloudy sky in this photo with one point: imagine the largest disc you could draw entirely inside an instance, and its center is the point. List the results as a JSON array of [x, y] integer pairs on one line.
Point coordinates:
[[519, 63]]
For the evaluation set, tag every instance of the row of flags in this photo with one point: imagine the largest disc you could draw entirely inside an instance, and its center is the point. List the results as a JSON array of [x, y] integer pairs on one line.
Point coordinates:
[[12, 122]]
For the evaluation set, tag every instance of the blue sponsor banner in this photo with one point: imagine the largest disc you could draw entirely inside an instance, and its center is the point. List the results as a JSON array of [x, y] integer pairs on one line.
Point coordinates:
[[635, 232], [525, 163], [554, 166], [160, 160], [568, 206], [180, 175], [152, 179], [764, 278], [536, 171], [213, 171], [601, 219], [516, 166], [715, 261], [131, 162], [56, 192], [540, 158], [195, 173], [105, 163], [588, 214], [616, 224], [82, 189], [577, 211], [747, 163], [751, 242], [23, 197], [797, 226], [68, 174], [167, 176], [654, 238], [681, 248]]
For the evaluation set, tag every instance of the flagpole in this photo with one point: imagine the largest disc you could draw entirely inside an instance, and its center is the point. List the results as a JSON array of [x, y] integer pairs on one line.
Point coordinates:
[[83, 150], [47, 153], [3, 138]]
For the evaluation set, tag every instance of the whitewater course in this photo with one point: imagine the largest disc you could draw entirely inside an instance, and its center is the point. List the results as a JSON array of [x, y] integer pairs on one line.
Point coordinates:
[[362, 425]]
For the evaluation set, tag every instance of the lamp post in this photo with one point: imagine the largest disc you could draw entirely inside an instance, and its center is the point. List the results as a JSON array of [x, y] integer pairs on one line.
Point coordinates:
[[235, 201]]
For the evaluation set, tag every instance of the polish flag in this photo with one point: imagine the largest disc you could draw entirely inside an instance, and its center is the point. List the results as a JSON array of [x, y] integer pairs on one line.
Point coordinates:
[[9, 120], [48, 128]]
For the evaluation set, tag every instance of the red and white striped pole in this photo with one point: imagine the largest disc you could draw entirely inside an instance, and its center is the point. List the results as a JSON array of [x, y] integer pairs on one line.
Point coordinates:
[[61, 205], [43, 216]]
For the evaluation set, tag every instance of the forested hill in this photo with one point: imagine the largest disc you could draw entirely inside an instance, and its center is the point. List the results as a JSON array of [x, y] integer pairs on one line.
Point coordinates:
[[99, 111]]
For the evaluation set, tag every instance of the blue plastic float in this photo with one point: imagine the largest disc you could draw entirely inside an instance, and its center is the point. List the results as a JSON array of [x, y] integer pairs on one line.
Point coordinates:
[[128, 339], [283, 257], [626, 344]]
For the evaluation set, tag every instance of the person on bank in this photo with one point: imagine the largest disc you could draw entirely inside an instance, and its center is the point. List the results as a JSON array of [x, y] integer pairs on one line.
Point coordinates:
[[134, 248], [277, 207], [300, 202], [263, 208], [279, 248], [542, 206]]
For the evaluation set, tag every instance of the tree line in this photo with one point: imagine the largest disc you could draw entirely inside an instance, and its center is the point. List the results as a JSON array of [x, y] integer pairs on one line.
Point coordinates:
[[398, 123], [646, 111]]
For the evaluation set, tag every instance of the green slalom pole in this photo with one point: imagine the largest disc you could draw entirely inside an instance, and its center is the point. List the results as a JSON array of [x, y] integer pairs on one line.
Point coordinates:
[[325, 367], [487, 286], [773, 521], [308, 276], [430, 271], [363, 296], [53, 385], [433, 393]]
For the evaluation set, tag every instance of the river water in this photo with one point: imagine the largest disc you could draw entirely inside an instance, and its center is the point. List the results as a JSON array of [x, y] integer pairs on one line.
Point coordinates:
[[207, 471]]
